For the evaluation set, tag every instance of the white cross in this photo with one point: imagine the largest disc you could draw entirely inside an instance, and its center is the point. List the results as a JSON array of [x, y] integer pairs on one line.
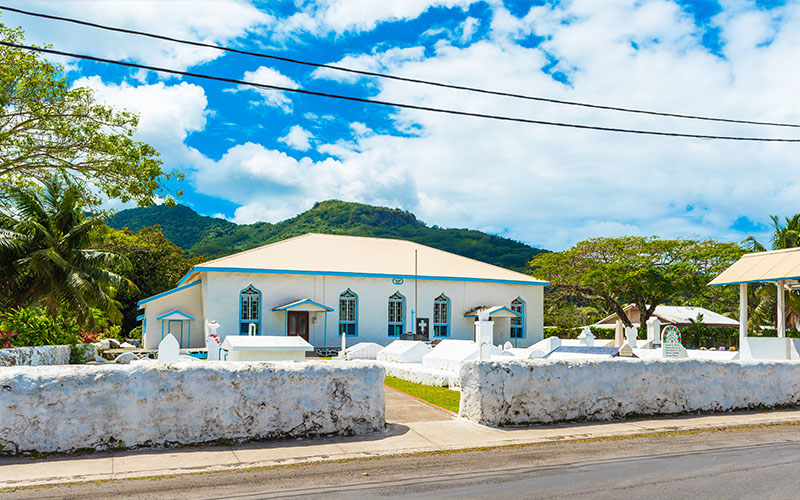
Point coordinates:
[[421, 326]]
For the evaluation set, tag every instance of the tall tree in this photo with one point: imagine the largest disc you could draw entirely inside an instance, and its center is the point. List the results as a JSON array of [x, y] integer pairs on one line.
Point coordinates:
[[48, 126], [643, 271], [47, 255]]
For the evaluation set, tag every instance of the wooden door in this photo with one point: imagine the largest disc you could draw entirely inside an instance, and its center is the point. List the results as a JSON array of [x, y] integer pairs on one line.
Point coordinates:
[[298, 324]]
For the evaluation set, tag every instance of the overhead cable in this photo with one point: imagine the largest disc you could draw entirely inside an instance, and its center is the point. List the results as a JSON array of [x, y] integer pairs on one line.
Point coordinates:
[[392, 104], [395, 77]]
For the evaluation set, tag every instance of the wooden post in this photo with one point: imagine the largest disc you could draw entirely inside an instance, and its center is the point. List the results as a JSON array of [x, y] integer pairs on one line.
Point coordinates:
[[742, 314], [781, 316]]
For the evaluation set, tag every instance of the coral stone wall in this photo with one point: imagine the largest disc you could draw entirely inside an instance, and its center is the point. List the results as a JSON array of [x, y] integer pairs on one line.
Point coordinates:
[[542, 391], [66, 408], [35, 356]]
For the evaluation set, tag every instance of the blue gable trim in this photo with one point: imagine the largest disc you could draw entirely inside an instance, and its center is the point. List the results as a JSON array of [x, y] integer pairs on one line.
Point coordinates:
[[168, 292], [140, 317], [180, 313], [306, 301], [354, 275], [493, 311]]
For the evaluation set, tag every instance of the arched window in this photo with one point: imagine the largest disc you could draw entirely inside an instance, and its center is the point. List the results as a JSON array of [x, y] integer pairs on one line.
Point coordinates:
[[441, 316], [518, 324], [249, 310], [348, 313], [396, 314]]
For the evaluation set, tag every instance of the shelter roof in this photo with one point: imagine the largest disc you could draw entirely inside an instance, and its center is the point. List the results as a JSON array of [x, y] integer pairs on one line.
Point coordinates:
[[338, 255], [493, 312], [762, 266], [303, 305], [676, 315], [175, 314]]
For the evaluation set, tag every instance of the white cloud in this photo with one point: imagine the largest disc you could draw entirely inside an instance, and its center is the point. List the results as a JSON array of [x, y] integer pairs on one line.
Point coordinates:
[[320, 17], [297, 138], [167, 113], [212, 22], [552, 186], [269, 76], [377, 62], [272, 186]]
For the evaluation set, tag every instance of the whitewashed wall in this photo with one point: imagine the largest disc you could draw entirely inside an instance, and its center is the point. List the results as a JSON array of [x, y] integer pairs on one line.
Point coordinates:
[[221, 303], [188, 301], [542, 391], [35, 356], [65, 408]]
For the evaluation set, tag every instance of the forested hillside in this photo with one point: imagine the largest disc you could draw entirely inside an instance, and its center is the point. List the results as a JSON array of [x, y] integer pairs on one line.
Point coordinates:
[[210, 237]]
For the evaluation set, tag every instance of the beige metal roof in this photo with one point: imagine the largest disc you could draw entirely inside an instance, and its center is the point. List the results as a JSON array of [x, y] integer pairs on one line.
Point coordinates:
[[340, 255], [762, 266], [676, 315]]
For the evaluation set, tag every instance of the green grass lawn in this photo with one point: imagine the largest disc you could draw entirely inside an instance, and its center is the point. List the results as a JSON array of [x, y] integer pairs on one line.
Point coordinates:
[[437, 395]]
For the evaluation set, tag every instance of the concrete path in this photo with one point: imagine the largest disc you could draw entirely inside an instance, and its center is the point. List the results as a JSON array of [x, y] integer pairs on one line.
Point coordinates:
[[413, 427]]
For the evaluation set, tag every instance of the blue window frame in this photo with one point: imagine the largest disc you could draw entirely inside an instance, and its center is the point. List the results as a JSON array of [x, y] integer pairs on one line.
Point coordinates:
[[441, 316], [348, 313], [397, 306], [518, 324], [249, 310]]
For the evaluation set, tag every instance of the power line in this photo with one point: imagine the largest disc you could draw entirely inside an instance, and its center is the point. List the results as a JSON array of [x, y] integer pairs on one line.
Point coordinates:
[[392, 104], [395, 77]]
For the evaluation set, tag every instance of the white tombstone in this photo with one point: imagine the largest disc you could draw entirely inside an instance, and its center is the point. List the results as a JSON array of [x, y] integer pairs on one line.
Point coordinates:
[[507, 346], [586, 337], [630, 336], [484, 334], [654, 330], [671, 343], [168, 349], [251, 329]]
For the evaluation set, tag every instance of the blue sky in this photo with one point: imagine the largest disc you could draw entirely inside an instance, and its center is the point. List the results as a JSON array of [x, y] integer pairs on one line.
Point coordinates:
[[255, 155]]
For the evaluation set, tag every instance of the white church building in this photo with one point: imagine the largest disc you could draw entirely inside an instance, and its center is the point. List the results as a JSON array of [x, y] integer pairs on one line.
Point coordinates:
[[371, 289]]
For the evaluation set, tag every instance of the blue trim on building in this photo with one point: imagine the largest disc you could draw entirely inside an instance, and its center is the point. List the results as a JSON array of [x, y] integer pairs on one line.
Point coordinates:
[[176, 311], [492, 311], [260, 307], [758, 281], [168, 292], [402, 315], [140, 317], [434, 324], [355, 310], [353, 275], [301, 302], [522, 319]]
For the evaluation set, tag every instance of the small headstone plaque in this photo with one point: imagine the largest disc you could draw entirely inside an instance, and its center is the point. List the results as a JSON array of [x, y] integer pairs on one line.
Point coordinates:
[[168, 349], [671, 342]]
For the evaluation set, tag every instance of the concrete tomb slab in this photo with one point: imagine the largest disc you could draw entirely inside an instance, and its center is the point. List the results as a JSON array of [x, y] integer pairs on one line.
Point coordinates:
[[404, 351], [451, 354], [265, 348], [363, 350]]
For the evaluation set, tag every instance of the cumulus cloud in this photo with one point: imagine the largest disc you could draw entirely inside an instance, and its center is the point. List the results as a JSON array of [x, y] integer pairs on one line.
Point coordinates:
[[552, 186], [168, 114], [210, 22], [272, 186], [321, 17], [298, 138], [269, 76]]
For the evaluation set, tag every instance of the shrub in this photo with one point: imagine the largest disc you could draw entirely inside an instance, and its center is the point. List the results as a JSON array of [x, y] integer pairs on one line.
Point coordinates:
[[136, 333], [31, 327]]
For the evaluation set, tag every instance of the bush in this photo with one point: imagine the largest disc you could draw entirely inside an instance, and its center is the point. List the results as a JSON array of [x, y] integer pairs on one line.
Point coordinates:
[[136, 333], [81, 353], [32, 327]]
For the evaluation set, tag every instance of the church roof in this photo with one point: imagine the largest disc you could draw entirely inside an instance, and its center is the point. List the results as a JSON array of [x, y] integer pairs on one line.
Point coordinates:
[[338, 255]]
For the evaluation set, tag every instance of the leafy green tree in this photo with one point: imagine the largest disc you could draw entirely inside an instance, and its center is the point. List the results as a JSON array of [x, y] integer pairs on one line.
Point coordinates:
[[157, 265], [47, 126], [644, 271], [47, 255]]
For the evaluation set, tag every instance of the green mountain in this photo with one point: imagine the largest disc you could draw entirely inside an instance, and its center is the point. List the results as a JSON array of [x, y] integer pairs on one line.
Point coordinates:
[[211, 237]]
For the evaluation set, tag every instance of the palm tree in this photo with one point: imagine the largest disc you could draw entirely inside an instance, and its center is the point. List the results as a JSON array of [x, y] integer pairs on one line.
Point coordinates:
[[783, 236], [48, 257]]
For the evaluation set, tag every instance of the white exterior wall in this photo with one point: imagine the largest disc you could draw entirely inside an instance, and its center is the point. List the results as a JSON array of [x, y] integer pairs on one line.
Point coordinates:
[[221, 303], [188, 301]]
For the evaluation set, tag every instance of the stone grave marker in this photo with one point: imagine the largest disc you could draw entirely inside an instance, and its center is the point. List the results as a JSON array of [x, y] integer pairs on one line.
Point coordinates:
[[671, 342], [168, 349]]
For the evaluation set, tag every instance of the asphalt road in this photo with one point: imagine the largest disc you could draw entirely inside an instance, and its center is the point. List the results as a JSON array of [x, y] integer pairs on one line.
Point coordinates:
[[760, 463]]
